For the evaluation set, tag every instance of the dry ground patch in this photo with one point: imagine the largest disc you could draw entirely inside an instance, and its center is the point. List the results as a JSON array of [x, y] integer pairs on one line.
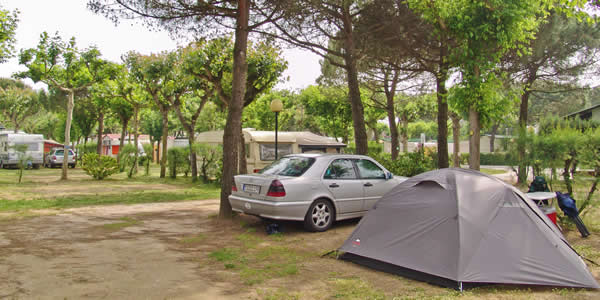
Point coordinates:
[[181, 250]]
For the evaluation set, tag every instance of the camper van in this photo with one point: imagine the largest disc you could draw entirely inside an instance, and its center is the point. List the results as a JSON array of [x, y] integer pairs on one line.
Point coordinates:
[[35, 148]]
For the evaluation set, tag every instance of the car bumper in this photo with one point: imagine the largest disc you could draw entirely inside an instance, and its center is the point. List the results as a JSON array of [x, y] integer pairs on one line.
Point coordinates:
[[294, 211]]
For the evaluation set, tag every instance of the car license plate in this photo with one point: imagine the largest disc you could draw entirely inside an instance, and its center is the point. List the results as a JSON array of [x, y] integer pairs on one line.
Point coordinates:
[[250, 188]]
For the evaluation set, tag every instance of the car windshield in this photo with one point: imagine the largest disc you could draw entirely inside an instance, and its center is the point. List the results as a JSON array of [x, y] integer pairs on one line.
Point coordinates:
[[289, 166]]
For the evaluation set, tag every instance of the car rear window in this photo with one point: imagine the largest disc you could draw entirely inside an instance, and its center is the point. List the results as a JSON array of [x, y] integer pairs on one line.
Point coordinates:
[[289, 166]]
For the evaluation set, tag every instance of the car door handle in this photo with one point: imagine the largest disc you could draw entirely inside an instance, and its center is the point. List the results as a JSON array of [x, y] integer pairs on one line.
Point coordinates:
[[368, 184], [334, 185]]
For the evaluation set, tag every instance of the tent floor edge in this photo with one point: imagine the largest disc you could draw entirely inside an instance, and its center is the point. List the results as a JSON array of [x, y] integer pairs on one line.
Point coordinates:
[[408, 273]]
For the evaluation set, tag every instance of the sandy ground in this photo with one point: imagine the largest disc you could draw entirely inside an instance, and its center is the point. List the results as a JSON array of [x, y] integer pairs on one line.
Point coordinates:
[[74, 254], [137, 252]]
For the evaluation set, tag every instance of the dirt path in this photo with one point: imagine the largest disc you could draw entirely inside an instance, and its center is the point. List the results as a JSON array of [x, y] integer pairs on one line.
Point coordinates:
[[109, 252], [163, 251]]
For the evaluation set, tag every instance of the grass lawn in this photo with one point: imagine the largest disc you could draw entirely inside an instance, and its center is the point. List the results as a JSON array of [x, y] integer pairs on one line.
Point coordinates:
[[43, 189]]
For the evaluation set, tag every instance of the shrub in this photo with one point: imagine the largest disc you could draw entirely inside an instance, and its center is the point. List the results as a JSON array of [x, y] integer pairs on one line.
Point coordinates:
[[89, 147], [178, 159], [126, 157], [209, 160], [408, 164], [496, 159], [147, 158], [99, 167]]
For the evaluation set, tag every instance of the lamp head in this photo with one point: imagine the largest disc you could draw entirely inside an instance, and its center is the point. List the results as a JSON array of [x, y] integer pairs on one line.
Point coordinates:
[[276, 105]]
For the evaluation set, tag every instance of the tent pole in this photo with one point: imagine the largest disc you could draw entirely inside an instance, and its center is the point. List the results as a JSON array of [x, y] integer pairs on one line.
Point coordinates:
[[460, 288]]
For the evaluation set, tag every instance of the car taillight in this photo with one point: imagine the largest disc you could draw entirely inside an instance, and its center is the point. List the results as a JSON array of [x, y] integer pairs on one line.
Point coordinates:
[[256, 170], [234, 188], [53, 157], [276, 189]]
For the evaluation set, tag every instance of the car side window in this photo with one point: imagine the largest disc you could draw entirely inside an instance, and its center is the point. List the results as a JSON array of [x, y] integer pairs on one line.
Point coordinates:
[[340, 169], [369, 170]]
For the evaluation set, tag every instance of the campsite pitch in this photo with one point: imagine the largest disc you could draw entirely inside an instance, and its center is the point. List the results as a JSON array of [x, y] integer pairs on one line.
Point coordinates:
[[179, 250]]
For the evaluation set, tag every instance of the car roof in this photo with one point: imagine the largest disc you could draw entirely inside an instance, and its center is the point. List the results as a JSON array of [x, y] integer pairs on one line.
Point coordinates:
[[329, 155]]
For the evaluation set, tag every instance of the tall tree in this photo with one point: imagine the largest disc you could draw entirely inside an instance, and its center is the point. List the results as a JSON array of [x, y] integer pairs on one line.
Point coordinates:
[[327, 28], [329, 108], [61, 65], [200, 17], [155, 73], [129, 99], [18, 102], [212, 62], [563, 48], [8, 28], [413, 36]]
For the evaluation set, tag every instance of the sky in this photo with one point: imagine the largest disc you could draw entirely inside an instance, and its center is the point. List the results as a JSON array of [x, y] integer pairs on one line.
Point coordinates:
[[71, 18]]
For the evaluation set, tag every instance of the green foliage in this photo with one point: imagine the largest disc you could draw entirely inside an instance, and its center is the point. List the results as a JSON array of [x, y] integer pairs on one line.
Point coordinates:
[[8, 29], [147, 158], [496, 159], [23, 159], [330, 109], [209, 156], [89, 147], [416, 128], [18, 102], [407, 164], [127, 158], [99, 167], [178, 159], [589, 154]]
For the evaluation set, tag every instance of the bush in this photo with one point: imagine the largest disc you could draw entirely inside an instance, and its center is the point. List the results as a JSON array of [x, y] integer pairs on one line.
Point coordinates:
[[89, 147], [178, 159], [99, 167], [209, 158], [126, 157], [408, 164], [497, 159], [146, 159]]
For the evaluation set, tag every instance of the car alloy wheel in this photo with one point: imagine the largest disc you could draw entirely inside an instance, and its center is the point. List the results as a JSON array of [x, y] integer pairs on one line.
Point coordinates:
[[320, 216]]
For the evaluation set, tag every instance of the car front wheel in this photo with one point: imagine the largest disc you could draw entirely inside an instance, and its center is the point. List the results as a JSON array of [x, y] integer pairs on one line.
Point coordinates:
[[320, 216]]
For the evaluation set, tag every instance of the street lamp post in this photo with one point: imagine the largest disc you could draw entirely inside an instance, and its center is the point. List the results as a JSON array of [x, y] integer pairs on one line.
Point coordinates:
[[276, 107]]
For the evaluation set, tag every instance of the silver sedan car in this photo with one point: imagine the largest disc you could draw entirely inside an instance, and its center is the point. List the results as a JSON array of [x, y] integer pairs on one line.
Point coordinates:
[[317, 189]]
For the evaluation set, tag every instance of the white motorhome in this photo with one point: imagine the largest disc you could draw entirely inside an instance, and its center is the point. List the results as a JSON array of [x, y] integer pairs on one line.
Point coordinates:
[[35, 148]]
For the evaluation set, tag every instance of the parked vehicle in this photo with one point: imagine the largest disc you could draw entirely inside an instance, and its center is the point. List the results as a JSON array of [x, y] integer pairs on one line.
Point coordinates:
[[56, 156], [317, 189], [9, 156]]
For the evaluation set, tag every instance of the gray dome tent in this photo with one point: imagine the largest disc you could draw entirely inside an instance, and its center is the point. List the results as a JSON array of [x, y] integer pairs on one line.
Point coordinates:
[[458, 228]]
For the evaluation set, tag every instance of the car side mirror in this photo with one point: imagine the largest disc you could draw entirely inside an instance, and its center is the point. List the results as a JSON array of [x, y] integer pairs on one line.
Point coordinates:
[[388, 175]]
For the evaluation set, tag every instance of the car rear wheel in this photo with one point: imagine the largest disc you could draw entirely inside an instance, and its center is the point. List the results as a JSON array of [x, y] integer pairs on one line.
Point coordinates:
[[320, 216]]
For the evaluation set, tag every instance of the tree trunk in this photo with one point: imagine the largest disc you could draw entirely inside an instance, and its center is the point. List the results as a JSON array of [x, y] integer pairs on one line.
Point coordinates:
[[404, 121], [493, 136], [522, 171], [233, 125], [100, 132], [358, 114], [393, 127], [122, 139], [442, 106], [136, 134], [455, 140], [243, 164], [474, 139], [165, 136], [193, 156], [70, 105]]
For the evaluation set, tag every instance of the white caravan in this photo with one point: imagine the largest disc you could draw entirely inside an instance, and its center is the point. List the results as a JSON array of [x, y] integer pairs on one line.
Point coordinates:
[[9, 156]]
